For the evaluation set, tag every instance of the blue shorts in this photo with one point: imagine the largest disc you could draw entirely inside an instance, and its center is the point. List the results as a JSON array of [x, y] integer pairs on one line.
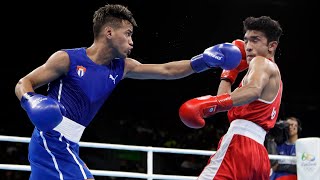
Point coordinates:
[[52, 156]]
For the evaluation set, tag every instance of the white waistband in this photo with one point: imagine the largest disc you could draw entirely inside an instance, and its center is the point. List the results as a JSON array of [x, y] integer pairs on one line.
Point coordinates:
[[70, 129], [248, 129]]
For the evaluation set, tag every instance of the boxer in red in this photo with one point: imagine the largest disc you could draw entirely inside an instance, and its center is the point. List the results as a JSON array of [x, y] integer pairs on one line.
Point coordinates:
[[252, 108]]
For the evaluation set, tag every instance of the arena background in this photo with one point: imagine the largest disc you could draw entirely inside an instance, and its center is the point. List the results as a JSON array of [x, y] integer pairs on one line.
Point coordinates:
[[147, 110]]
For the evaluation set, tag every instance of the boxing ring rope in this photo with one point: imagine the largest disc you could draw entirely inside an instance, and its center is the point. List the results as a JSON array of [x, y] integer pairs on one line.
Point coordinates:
[[148, 149]]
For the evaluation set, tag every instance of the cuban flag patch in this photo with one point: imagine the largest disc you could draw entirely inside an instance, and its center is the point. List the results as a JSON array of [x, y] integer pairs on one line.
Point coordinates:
[[81, 70]]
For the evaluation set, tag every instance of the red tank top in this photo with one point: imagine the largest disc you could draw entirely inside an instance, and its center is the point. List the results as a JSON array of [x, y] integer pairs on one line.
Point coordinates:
[[259, 111]]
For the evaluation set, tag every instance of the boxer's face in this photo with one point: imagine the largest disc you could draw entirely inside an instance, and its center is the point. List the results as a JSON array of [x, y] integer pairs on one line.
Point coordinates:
[[256, 44], [120, 39]]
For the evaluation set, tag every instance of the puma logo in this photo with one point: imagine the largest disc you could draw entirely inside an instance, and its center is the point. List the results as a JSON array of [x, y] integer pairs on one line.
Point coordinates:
[[113, 78]]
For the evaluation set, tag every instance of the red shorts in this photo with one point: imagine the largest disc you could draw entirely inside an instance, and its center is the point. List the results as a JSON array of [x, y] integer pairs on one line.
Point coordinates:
[[241, 155]]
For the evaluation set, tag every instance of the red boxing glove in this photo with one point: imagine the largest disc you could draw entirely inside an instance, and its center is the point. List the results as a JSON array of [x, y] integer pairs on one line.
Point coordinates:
[[231, 75], [240, 44], [194, 110]]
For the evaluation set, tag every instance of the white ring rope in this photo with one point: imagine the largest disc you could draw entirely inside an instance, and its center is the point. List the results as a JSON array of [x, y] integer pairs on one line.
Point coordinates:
[[150, 150]]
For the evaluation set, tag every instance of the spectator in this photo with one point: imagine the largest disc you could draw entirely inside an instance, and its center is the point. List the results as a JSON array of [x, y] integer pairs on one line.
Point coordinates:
[[287, 168]]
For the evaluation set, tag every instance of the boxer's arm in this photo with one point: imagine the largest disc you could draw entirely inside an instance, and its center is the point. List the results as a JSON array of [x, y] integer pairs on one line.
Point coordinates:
[[224, 55], [193, 112], [56, 65], [224, 87], [170, 70], [257, 77], [44, 112]]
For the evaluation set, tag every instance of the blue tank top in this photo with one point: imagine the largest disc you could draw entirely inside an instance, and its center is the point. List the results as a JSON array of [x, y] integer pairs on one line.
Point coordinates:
[[86, 86], [287, 149]]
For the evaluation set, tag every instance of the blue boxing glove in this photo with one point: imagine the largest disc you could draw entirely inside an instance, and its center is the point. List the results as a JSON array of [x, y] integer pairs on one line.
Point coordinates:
[[44, 112], [226, 56]]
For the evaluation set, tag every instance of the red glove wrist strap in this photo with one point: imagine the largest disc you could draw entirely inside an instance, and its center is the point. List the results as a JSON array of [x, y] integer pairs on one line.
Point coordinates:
[[225, 102], [219, 103], [229, 75]]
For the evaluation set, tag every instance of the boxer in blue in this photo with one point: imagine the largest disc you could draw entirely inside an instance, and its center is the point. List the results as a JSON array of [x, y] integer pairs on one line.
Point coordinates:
[[80, 80]]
